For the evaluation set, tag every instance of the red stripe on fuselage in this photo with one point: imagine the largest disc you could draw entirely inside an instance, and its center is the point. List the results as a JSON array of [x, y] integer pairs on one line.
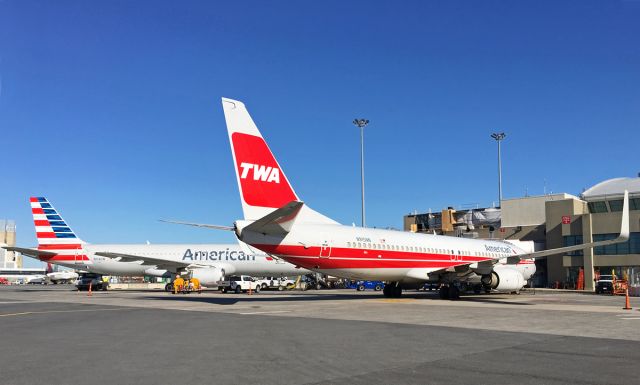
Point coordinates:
[[347, 258]]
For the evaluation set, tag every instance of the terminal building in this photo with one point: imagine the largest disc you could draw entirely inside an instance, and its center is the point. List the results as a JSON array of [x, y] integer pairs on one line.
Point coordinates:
[[553, 221], [8, 259]]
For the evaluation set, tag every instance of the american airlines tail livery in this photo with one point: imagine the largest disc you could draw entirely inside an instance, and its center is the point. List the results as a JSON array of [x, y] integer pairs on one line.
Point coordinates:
[[58, 244], [277, 222]]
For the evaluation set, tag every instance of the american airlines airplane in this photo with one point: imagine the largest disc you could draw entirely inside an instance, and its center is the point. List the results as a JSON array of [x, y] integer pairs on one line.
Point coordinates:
[[58, 244], [277, 222]]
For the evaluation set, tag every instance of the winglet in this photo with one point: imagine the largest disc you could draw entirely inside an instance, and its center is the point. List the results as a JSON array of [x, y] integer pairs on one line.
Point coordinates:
[[624, 227]]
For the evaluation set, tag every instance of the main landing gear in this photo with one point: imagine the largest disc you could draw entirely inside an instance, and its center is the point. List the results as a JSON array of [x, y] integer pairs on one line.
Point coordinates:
[[392, 290], [449, 292]]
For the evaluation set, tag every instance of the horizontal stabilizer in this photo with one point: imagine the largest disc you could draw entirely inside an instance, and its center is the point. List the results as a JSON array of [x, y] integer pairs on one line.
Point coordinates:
[[30, 252], [277, 222]]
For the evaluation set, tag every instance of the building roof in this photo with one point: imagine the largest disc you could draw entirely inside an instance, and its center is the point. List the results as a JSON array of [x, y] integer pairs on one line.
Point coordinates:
[[612, 187]]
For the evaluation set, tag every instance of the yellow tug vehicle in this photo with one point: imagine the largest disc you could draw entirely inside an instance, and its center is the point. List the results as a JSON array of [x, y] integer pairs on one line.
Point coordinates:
[[186, 286]]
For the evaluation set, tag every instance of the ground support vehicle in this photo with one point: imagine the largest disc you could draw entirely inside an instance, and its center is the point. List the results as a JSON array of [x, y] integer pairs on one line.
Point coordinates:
[[277, 283], [604, 284], [364, 285], [186, 286], [93, 280], [239, 284]]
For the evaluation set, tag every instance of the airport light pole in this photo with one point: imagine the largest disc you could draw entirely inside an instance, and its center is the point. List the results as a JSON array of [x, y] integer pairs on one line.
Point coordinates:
[[499, 137], [361, 123]]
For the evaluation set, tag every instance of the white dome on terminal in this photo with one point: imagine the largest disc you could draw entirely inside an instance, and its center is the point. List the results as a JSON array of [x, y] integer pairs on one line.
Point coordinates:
[[612, 187]]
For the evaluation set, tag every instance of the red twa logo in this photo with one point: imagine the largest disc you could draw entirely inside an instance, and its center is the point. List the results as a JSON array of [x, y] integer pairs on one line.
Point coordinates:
[[263, 173], [261, 180]]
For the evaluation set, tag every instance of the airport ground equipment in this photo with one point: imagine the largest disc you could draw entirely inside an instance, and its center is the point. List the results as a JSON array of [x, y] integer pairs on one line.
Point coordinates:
[[364, 285], [278, 283], [620, 286], [239, 284], [186, 286], [96, 282], [604, 284]]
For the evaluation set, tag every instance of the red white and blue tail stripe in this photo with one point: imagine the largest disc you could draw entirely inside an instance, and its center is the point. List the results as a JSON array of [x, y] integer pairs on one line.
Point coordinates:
[[54, 235]]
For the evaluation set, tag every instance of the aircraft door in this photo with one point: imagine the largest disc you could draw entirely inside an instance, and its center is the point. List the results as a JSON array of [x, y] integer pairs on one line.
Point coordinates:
[[325, 249], [78, 258]]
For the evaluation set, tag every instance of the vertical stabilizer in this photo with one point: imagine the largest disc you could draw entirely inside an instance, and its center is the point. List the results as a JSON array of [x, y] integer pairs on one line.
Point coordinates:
[[263, 185], [54, 235]]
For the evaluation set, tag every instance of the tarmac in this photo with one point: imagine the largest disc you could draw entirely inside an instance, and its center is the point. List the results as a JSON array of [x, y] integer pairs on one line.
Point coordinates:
[[55, 335]]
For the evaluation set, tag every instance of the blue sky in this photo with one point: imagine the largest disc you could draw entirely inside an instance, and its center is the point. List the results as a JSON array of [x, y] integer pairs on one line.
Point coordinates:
[[111, 109]]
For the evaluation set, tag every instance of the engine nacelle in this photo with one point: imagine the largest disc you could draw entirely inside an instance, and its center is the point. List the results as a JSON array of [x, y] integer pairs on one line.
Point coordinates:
[[208, 276], [504, 280]]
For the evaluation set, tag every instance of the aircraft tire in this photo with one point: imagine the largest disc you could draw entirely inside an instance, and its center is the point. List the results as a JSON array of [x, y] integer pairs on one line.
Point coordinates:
[[397, 291], [454, 293], [444, 292]]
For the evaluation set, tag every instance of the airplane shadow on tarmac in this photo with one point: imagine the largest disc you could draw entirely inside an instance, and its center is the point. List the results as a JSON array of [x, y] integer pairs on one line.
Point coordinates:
[[224, 299]]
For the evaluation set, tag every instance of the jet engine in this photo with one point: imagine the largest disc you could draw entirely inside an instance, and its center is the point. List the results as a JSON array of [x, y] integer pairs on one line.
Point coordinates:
[[504, 280], [208, 276]]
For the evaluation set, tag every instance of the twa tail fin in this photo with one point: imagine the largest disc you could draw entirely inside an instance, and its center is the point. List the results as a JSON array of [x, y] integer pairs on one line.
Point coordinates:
[[263, 185]]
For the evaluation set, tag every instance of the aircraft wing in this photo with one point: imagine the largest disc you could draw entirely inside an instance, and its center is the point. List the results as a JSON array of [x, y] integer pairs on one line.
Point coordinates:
[[514, 259], [623, 237], [205, 225], [35, 253], [147, 261]]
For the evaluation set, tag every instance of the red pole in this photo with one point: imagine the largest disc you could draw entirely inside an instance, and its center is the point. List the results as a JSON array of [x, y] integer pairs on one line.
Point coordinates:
[[89, 294]]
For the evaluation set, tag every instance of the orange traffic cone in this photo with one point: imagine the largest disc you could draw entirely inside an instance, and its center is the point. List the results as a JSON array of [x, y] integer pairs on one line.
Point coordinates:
[[627, 305], [89, 293]]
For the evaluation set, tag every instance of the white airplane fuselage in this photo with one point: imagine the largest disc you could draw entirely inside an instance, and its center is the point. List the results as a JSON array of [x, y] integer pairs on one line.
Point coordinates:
[[376, 254], [230, 257]]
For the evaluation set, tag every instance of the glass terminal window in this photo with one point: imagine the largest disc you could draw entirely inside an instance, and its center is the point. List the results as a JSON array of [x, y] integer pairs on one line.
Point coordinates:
[[598, 207], [615, 205]]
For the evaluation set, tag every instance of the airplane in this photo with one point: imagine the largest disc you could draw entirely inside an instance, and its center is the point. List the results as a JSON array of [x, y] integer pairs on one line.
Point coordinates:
[[277, 222], [210, 263], [60, 276]]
